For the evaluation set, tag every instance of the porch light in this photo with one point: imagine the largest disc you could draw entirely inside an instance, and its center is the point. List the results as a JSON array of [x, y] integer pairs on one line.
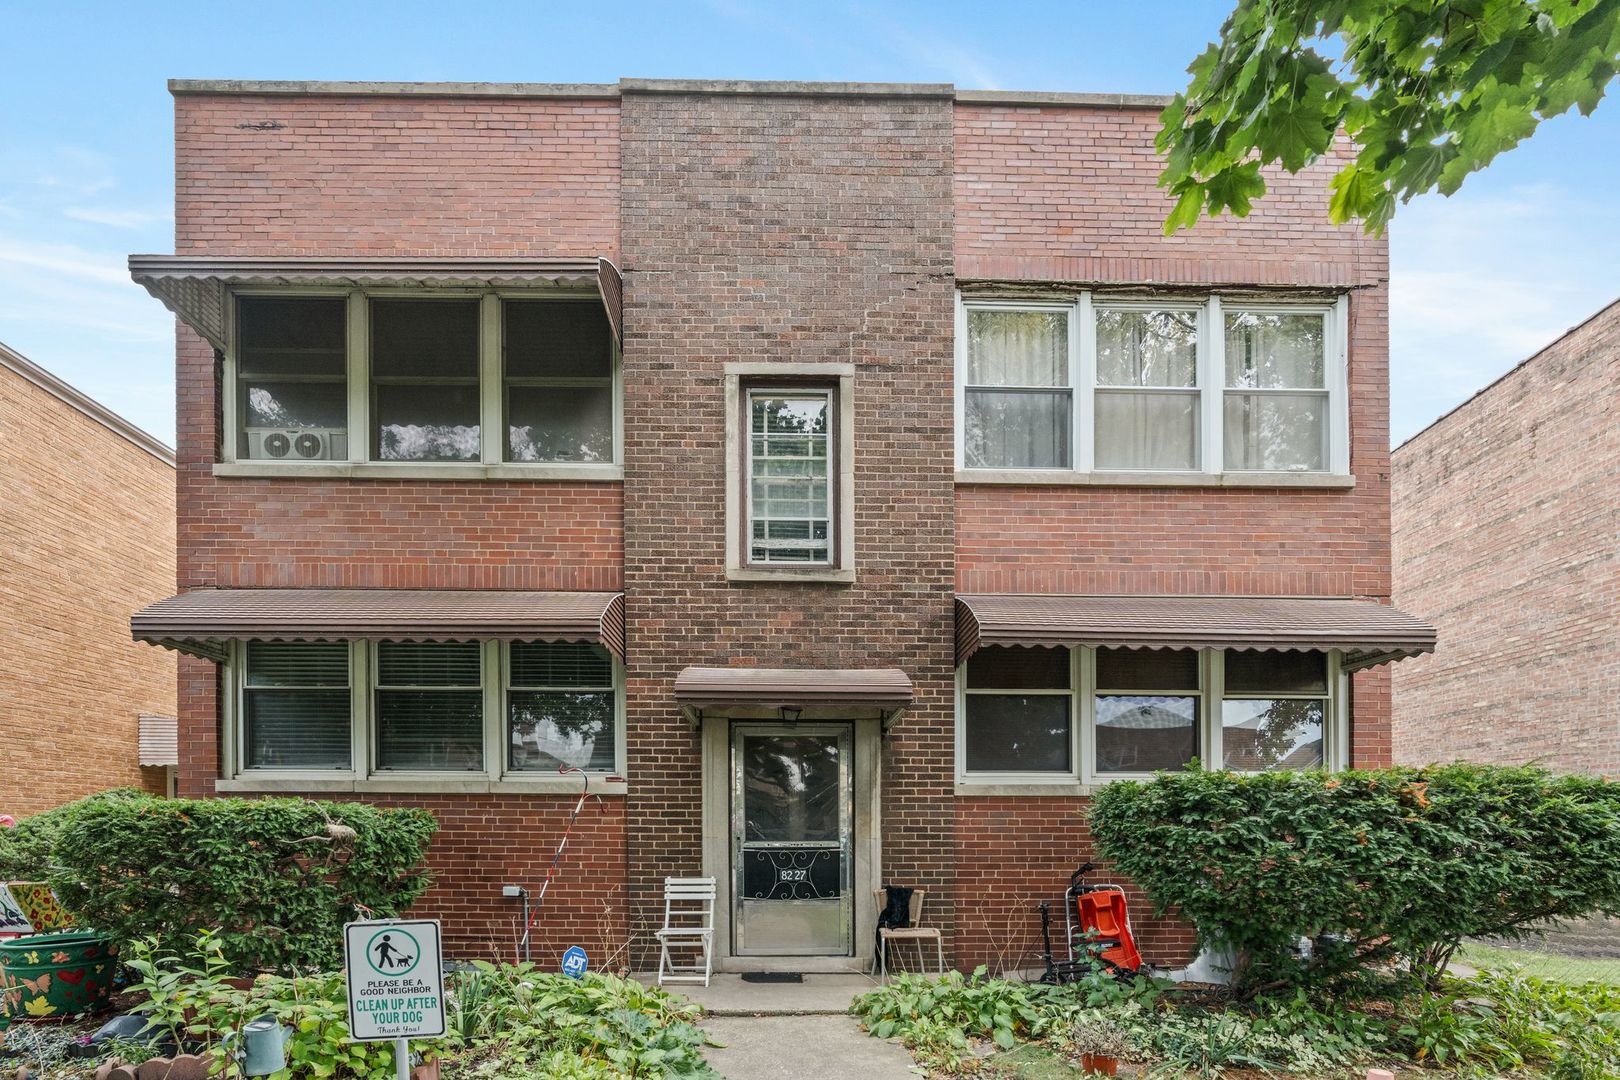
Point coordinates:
[[790, 713]]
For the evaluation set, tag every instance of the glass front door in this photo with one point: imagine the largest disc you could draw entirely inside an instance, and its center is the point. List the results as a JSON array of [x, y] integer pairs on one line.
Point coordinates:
[[791, 839]]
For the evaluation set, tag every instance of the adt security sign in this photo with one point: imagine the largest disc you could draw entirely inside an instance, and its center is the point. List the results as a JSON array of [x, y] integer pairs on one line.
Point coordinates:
[[396, 980], [575, 962]]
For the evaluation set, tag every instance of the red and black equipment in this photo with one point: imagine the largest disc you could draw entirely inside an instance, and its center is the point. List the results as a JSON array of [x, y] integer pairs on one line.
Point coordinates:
[[1096, 929]]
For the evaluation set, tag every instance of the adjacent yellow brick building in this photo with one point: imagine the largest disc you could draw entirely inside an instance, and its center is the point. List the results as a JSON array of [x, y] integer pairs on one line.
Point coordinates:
[[86, 535]]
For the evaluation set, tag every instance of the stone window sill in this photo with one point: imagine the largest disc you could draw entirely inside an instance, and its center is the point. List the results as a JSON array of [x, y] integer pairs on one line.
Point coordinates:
[[380, 470], [417, 785], [995, 789], [1069, 478], [822, 575]]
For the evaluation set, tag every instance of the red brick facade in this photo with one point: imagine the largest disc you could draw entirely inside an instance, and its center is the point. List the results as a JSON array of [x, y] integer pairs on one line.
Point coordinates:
[[1504, 538], [762, 226]]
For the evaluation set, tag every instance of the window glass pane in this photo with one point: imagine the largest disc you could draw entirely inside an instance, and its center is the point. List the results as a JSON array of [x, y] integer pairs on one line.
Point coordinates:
[[298, 336], [544, 664], [295, 705], [559, 423], [1147, 348], [1018, 348], [1010, 733], [430, 339], [1148, 669], [1016, 430], [557, 339], [430, 705], [1276, 432], [1001, 667], [417, 422], [1255, 672], [1145, 734], [548, 730], [1283, 734], [297, 663], [424, 371], [292, 379], [1146, 431], [1275, 351], [296, 729], [421, 663], [790, 496]]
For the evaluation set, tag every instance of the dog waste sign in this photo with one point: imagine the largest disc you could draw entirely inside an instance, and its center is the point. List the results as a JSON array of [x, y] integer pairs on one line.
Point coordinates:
[[396, 980]]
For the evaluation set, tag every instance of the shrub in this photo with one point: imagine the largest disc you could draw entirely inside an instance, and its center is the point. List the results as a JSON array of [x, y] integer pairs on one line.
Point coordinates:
[[1371, 866], [279, 877], [25, 851]]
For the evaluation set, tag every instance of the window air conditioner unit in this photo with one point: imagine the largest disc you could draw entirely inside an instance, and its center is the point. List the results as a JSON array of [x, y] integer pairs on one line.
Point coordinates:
[[297, 444]]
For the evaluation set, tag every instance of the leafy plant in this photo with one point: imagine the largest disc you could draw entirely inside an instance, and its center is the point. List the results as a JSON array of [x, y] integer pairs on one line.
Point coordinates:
[[1202, 1045], [187, 996], [277, 877], [1370, 867], [1430, 92], [995, 1009]]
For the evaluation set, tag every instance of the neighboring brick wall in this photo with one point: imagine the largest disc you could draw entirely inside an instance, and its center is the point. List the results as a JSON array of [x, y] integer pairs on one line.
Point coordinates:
[[791, 229], [86, 537], [1505, 515], [403, 176]]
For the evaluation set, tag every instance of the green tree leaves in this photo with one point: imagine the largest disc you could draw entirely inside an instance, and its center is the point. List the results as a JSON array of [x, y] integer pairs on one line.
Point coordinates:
[[1431, 91]]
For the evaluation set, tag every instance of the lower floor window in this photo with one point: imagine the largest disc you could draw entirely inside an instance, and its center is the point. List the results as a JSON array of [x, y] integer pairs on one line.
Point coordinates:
[[1062, 715], [393, 707]]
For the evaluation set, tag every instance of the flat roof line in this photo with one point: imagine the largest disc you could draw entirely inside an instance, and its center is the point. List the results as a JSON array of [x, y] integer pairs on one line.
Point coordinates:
[[84, 403], [789, 88]]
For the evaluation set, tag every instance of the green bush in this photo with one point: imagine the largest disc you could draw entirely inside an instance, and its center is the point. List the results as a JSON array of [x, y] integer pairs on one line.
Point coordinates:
[[1371, 866], [25, 851], [279, 877]]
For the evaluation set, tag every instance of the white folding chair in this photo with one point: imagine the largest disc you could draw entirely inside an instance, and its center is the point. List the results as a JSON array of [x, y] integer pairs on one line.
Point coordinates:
[[689, 926], [916, 933]]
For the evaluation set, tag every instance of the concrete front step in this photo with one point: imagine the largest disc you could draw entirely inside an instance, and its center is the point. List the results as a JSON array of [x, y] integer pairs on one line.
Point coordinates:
[[728, 995]]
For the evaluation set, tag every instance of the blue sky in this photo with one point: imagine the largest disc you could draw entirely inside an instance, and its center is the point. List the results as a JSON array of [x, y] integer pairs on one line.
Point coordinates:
[[1481, 280]]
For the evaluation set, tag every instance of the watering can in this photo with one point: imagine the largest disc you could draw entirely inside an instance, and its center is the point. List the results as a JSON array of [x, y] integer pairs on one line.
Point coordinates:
[[263, 1047]]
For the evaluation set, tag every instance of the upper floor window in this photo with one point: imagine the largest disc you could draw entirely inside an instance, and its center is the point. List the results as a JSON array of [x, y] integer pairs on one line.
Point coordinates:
[[438, 380], [790, 477], [1098, 385]]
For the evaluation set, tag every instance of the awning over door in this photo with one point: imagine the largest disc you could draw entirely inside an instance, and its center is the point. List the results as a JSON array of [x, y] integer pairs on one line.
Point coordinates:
[[196, 287], [823, 690], [201, 622], [1367, 632]]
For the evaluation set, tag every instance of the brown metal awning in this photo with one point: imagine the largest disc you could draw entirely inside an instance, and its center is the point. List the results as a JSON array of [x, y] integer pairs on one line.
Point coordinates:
[[886, 691], [196, 287], [202, 621], [1368, 633]]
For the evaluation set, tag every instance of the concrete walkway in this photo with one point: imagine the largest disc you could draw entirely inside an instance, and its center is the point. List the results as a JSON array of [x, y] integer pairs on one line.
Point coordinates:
[[783, 1030]]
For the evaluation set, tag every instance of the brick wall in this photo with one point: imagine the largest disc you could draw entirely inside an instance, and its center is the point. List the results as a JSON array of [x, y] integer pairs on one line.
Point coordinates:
[[1504, 532], [1065, 193], [87, 531], [791, 229], [403, 176]]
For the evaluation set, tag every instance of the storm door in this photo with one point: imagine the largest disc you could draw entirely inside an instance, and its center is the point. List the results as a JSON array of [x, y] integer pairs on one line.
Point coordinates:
[[792, 832]]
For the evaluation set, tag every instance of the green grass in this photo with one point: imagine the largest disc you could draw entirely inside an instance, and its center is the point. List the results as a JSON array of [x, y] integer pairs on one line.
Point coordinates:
[[1540, 964], [1030, 1061]]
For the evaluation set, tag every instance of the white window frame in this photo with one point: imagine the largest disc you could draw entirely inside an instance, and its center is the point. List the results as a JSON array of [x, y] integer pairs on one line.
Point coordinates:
[[1082, 307], [1200, 372], [830, 395], [1083, 776], [504, 720], [1328, 697], [365, 776], [491, 463]]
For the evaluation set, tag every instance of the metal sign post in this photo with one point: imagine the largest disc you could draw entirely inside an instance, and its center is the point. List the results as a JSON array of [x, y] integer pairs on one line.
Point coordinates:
[[394, 969]]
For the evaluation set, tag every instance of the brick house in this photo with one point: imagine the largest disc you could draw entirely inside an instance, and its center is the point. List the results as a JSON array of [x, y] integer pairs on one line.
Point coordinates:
[[86, 533], [874, 480], [1505, 513]]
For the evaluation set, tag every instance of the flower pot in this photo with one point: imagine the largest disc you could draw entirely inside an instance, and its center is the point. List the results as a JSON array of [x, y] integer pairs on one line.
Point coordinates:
[[1101, 1064], [56, 975], [428, 1070]]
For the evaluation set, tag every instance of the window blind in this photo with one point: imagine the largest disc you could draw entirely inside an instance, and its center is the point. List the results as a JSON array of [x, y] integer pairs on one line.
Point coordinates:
[[295, 704], [430, 706]]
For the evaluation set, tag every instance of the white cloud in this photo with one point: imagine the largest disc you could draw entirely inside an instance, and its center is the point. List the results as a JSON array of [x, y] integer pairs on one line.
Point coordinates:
[[1483, 280], [65, 259], [117, 219]]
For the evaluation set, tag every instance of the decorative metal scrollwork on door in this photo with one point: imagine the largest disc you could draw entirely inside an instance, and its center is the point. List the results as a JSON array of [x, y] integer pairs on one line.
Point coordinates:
[[792, 873]]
